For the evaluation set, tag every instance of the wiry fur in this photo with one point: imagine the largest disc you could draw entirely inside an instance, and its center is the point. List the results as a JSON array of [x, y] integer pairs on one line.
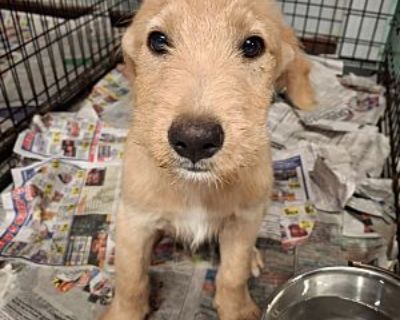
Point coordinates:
[[204, 75]]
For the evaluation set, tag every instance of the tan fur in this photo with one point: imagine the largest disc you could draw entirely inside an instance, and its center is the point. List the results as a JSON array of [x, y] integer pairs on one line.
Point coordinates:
[[203, 75]]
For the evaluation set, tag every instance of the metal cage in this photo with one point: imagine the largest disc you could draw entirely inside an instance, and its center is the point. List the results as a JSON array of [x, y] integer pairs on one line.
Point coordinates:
[[390, 77], [51, 52], [47, 58]]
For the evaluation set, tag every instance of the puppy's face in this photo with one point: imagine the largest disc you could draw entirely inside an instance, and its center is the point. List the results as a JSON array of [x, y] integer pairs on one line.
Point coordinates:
[[203, 73]]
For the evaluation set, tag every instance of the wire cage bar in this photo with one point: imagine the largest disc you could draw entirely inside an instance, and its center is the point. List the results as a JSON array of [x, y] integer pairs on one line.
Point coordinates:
[[390, 77], [52, 51], [353, 30]]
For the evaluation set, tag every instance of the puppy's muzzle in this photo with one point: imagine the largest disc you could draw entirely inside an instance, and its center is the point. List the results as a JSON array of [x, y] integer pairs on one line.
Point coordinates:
[[196, 138]]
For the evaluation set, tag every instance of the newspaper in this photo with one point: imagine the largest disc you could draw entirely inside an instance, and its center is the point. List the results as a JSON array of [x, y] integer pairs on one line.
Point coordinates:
[[338, 107], [358, 225], [364, 84], [322, 249], [35, 295], [380, 190], [60, 214], [376, 217], [179, 291], [357, 155], [111, 100], [333, 186], [363, 249], [283, 123], [70, 137], [291, 214], [40, 293], [350, 155], [368, 206], [366, 148], [362, 224]]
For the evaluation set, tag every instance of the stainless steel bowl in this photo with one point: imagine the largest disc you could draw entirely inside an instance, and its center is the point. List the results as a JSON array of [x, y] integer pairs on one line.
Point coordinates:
[[338, 293]]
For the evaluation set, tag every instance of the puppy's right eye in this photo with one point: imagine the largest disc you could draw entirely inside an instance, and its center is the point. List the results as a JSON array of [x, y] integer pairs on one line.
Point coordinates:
[[253, 47], [158, 42]]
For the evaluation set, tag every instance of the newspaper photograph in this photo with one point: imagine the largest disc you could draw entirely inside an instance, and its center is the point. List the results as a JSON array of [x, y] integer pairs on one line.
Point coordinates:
[[365, 218], [60, 135], [292, 207], [69, 137], [358, 225], [111, 144], [60, 214]]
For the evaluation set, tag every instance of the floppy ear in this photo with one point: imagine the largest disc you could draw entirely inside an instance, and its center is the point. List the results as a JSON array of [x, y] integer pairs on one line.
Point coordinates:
[[128, 44], [287, 56], [293, 72], [290, 46], [130, 67]]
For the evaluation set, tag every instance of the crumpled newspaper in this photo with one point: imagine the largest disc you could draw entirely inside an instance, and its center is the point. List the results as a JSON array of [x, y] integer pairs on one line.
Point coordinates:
[[349, 151], [340, 108]]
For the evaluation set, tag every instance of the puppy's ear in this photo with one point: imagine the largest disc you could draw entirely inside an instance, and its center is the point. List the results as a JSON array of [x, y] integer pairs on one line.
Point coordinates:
[[130, 67], [287, 56], [128, 44], [294, 70], [290, 46]]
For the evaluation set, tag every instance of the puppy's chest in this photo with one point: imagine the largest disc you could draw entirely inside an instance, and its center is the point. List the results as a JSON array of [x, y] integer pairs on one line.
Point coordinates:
[[195, 224]]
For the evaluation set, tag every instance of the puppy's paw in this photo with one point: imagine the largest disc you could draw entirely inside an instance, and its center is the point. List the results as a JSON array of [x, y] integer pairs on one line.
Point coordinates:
[[247, 311], [109, 315], [257, 263], [236, 305], [250, 312], [117, 313]]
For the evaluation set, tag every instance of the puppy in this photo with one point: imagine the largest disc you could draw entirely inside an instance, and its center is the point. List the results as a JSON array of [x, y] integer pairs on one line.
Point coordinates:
[[198, 159]]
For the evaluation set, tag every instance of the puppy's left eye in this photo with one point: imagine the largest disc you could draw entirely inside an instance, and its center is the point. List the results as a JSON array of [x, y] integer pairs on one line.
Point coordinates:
[[158, 42], [253, 47]]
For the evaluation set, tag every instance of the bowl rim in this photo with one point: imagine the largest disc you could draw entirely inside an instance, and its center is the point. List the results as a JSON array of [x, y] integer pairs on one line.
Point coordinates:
[[359, 269]]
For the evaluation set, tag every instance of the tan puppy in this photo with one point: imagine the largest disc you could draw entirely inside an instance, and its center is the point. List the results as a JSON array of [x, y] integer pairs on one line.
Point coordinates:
[[198, 160]]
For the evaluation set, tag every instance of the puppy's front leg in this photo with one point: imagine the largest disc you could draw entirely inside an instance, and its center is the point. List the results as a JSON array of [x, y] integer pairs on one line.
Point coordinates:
[[135, 239], [237, 240]]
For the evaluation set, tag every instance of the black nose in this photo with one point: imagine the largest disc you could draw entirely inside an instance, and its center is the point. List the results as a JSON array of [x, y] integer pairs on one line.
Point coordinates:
[[196, 139]]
